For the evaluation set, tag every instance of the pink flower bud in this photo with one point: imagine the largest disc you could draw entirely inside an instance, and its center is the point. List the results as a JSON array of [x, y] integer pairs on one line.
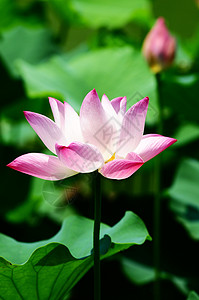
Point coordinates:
[[159, 47]]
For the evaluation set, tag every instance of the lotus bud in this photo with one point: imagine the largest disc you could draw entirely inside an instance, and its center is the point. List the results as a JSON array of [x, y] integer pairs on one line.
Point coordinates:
[[159, 47]]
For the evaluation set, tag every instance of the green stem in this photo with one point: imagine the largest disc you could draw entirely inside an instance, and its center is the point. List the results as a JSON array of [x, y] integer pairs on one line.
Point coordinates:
[[157, 201], [96, 235]]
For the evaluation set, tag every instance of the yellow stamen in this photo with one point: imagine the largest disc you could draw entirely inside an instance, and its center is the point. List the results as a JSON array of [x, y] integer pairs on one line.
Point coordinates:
[[110, 159]]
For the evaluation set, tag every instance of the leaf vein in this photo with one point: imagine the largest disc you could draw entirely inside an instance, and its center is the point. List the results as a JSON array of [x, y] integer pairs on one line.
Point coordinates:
[[55, 281], [12, 279], [86, 267], [37, 290]]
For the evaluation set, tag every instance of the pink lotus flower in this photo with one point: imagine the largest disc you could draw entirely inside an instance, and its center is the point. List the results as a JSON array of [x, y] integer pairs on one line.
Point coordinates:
[[104, 137], [159, 47]]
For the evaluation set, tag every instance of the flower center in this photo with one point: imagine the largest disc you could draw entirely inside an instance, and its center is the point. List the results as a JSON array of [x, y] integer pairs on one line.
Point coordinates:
[[110, 159]]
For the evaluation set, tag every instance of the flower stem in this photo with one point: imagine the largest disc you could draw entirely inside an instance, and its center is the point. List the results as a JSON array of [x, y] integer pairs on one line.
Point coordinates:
[[96, 235], [157, 200]]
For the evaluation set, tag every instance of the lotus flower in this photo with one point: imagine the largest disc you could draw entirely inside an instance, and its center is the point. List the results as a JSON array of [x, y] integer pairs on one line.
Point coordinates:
[[104, 137], [159, 47]]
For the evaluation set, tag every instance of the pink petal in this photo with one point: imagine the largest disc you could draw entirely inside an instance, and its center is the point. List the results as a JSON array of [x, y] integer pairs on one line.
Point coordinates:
[[40, 165], [123, 106], [116, 103], [93, 121], [72, 125], [122, 168], [152, 144], [115, 108], [47, 130], [108, 108], [58, 112], [134, 157], [112, 128], [119, 104], [132, 127], [80, 157]]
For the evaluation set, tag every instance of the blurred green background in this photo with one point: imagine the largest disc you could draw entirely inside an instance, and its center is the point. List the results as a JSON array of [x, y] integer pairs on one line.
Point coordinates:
[[64, 49]]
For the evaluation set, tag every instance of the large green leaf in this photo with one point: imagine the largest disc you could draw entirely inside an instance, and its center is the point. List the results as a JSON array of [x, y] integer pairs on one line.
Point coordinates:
[[184, 194], [99, 13], [49, 269], [114, 71], [49, 274], [30, 44], [193, 296]]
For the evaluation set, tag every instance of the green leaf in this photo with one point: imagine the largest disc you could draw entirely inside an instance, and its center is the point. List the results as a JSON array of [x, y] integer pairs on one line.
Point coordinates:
[[49, 274], [49, 269], [113, 71], [30, 44], [13, 13], [184, 194], [186, 134], [18, 134], [99, 13], [179, 95], [183, 59], [193, 296], [187, 50], [142, 274], [185, 186], [7, 13], [136, 272]]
